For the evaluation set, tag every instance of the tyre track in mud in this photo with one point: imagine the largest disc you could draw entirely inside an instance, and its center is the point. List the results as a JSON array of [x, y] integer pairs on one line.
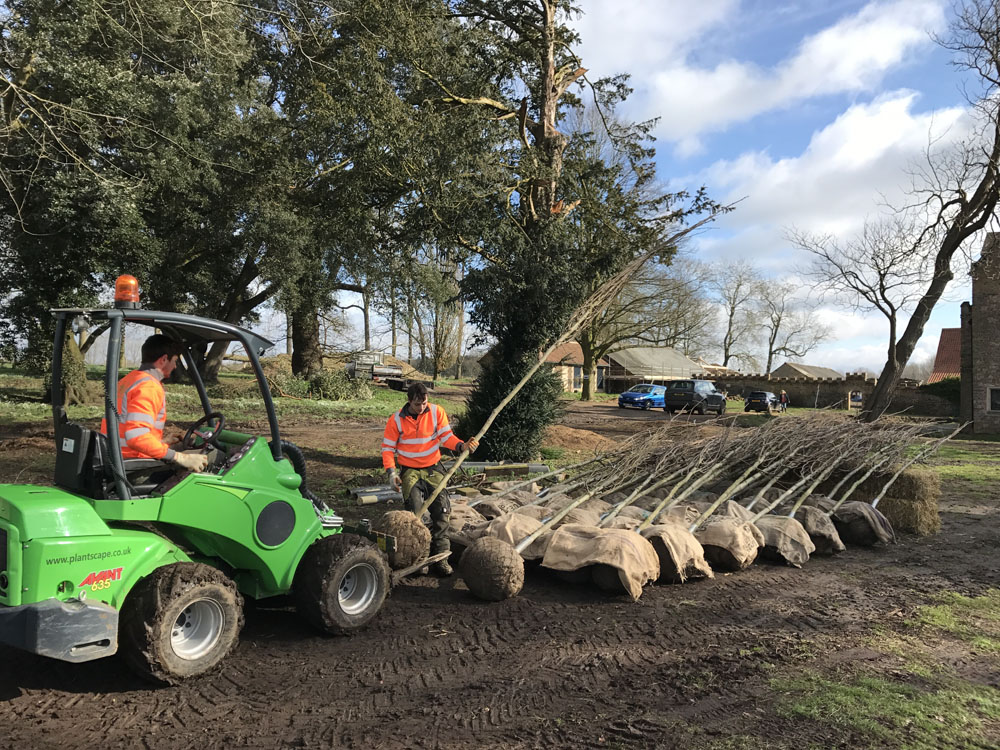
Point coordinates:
[[558, 666]]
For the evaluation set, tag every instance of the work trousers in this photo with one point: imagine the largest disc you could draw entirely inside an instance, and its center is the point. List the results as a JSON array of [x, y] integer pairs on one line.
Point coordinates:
[[418, 484]]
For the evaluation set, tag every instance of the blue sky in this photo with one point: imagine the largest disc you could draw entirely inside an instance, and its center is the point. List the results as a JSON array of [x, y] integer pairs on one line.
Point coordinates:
[[810, 109]]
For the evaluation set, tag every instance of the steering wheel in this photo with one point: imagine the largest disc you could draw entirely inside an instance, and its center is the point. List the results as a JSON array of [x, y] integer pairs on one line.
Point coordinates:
[[209, 437]]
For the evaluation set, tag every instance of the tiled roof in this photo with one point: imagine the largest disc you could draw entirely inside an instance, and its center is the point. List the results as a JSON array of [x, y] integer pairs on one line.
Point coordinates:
[[570, 354], [948, 360]]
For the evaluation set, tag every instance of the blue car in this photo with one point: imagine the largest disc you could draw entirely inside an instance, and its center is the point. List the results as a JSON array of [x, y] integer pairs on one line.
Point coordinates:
[[643, 396]]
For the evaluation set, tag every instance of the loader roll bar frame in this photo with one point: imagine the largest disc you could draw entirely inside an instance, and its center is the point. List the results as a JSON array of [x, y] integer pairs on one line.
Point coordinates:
[[189, 330]]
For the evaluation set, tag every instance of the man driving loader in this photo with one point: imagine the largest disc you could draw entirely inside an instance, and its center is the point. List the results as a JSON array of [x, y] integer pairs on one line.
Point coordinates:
[[416, 433], [142, 406]]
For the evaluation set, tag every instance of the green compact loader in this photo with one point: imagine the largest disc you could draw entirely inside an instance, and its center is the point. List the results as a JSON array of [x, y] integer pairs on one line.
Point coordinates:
[[124, 555]]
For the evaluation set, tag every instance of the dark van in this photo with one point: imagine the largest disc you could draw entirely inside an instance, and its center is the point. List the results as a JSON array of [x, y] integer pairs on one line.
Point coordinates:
[[696, 396]]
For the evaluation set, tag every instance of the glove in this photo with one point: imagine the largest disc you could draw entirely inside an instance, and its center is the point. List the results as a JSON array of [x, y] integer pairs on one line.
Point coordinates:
[[394, 479], [191, 460], [469, 445]]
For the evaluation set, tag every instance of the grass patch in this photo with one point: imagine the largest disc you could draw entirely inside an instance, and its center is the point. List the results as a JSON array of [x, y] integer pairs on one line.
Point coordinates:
[[20, 395], [922, 703], [975, 620], [895, 714], [551, 454]]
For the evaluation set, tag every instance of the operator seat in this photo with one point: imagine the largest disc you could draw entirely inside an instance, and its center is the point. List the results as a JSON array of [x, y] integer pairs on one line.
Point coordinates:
[[83, 465], [81, 457]]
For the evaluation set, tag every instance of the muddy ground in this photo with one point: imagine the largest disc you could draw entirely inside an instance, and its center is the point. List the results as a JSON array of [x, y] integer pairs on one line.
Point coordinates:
[[698, 665]]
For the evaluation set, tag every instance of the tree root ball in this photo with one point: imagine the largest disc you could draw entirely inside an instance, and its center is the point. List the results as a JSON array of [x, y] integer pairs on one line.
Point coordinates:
[[492, 569], [413, 539], [606, 578]]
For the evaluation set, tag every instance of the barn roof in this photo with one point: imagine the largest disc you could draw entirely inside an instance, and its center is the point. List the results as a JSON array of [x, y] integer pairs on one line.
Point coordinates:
[[655, 362]]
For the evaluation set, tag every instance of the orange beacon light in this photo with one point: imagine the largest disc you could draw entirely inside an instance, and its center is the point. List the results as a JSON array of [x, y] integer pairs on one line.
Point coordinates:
[[126, 291]]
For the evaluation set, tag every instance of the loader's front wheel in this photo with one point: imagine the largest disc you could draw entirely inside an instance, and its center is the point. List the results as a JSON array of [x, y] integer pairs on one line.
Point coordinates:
[[341, 583], [180, 621]]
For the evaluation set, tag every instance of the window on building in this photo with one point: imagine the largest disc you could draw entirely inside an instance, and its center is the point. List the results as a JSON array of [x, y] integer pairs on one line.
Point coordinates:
[[994, 399], [577, 378]]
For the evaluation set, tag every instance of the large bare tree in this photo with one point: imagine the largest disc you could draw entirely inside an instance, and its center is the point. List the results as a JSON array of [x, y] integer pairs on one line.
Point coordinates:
[[665, 306], [906, 263], [790, 326], [736, 288]]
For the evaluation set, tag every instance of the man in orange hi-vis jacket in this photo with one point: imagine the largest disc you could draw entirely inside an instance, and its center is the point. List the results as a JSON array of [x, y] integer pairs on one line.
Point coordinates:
[[415, 434], [142, 407]]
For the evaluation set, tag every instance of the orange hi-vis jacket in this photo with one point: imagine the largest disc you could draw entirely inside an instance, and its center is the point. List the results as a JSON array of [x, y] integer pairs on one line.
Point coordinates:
[[142, 410], [417, 440]]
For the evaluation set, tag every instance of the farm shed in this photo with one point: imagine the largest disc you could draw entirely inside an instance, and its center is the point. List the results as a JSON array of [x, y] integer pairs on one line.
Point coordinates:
[[647, 364]]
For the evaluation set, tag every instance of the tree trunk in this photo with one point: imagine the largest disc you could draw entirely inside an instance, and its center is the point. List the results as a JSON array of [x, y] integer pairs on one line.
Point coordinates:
[[900, 351], [420, 339], [586, 342], [459, 344], [460, 314], [307, 356], [74, 374], [367, 312], [409, 329], [288, 333], [392, 323]]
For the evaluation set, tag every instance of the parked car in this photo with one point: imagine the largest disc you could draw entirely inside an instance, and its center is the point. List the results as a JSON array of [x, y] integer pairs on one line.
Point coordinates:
[[760, 401], [697, 396], [643, 396]]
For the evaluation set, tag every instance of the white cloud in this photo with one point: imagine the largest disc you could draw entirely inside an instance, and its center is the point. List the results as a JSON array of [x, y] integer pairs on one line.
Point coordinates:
[[656, 42], [849, 167]]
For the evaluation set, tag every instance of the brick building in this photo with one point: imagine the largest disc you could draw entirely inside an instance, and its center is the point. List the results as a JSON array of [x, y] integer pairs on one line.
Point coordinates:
[[980, 346]]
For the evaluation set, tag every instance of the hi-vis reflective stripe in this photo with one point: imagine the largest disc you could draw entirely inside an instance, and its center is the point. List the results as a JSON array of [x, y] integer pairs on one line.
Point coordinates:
[[417, 454], [135, 432], [137, 416], [123, 404]]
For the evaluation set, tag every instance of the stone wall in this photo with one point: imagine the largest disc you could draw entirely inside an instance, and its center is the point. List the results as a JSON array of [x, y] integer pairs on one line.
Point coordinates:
[[806, 392], [913, 401]]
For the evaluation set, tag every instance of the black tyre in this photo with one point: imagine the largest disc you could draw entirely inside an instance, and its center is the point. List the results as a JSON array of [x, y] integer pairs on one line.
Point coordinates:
[[722, 408], [180, 622], [746, 408], [341, 583], [700, 408], [645, 405], [668, 409]]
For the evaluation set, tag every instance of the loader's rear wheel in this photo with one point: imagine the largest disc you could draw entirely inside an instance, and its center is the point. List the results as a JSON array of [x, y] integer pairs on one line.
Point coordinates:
[[341, 583], [180, 622]]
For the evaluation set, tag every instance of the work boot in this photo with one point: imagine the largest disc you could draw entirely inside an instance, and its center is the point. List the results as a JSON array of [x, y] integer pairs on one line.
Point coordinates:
[[442, 569]]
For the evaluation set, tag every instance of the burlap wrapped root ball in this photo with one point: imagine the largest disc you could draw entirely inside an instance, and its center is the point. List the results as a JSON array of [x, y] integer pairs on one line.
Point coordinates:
[[862, 525], [413, 539], [785, 540], [681, 555], [730, 545], [821, 530], [492, 569]]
